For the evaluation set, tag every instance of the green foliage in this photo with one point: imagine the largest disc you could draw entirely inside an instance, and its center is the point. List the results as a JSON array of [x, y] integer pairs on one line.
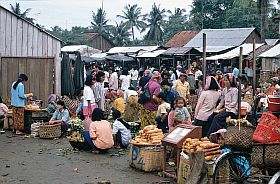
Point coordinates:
[[155, 20], [99, 22], [132, 15], [177, 22], [120, 34], [16, 10]]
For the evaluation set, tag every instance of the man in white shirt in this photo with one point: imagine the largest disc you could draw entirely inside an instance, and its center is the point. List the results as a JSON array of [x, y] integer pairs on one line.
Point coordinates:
[[134, 77], [129, 92], [113, 80]]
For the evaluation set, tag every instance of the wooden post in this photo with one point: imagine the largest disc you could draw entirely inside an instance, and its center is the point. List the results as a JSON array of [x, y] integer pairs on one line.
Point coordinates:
[[254, 80], [239, 79], [204, 59], [57, 74], [1, 89]]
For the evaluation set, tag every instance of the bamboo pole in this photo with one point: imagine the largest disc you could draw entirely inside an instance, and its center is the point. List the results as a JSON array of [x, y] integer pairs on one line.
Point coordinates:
[[254, 80], [239, 79], [204, 58]]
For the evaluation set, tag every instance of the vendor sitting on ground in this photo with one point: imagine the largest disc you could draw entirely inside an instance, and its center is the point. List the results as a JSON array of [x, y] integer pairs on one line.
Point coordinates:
[[121, 130], [61, 116], [100, 131], [51, 108], [3, 111]]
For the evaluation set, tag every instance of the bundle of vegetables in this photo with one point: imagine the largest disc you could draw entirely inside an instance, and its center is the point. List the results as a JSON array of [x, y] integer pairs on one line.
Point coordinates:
[[238, 122], [77, 124], [210, 150], [76, 137], [149, 135], [32, 107]]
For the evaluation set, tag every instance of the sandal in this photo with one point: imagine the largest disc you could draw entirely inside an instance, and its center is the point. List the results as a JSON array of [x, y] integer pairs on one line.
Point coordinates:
[[19, 133]]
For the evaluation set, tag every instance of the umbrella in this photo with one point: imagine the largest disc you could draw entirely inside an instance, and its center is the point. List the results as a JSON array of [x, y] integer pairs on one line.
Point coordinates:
[[78, 75], [119, 57], [67, 85]]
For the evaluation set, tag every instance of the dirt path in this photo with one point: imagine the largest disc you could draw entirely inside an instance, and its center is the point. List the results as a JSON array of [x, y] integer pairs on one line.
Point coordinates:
[[37, 161]]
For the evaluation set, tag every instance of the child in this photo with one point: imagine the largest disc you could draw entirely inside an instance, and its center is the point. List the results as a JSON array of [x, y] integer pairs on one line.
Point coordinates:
[[121, 130], [162, 113], [119, 103], [3, 111], [181, 113]]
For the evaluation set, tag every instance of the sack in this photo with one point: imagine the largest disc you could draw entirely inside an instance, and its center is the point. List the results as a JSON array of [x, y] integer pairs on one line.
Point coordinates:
[[268, 129], [145, 96]]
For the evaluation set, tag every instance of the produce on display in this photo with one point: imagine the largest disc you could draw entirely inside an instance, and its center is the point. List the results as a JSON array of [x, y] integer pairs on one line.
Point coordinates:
[[149, 135], [238, 122], [32, 107], [210, 150], [76, 137], [76, 127]]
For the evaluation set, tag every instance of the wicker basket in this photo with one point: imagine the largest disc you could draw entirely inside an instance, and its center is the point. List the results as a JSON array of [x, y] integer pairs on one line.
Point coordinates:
[[47, 131], [239, 137], [266, 155], [146, 157], [80, 145]]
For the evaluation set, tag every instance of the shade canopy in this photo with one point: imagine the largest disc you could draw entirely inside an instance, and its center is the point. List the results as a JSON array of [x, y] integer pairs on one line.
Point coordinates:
[[119, 57], [177, 51], [151, 54], [247, 48]]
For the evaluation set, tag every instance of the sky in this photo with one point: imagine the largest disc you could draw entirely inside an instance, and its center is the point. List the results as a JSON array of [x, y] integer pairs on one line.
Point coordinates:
[[69, 13]]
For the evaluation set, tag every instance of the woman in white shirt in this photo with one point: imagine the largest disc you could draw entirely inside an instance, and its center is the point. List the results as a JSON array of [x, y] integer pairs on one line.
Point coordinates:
[[89, 100], [125, 80], [134, 77]]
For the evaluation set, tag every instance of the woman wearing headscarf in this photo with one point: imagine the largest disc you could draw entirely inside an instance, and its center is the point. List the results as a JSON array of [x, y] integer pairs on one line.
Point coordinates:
[[51, 108], [206, 104], [228, 105], [18, 101], [149, 109], [131, 112]]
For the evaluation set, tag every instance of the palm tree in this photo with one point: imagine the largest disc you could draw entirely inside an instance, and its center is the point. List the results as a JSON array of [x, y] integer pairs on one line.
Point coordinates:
[[120, 34], [177, 12], [155, 21], [16, 10], [99, 22], [133, 15]]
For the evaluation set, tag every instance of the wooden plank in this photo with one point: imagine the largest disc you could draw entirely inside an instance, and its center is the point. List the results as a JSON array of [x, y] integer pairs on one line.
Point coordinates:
[[30, 40], [54, 47], [22, 66], [19, 37], [44, 80], [4, 73], [2, 31], [35, 42], [1, 77], [14, 36], [50, 46], [45, 44], [24, 38], [39, 44], [57, 74], [8, 39]]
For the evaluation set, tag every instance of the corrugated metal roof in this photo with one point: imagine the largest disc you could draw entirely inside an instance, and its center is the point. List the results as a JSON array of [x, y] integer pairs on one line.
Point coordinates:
[[247, 48], [181, 38], [152, 54], [115, 50], [274, 52], [272, 41], [221, 37], [179, 51], [259, 51], [214, 49]]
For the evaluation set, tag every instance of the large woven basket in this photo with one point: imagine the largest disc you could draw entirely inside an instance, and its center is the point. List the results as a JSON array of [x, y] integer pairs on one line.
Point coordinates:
[[47, 131], [146, 157], [239, 138], [266, 155]]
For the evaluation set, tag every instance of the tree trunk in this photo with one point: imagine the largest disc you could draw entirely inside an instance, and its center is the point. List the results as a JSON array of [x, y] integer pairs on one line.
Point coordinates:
[[132, 29]]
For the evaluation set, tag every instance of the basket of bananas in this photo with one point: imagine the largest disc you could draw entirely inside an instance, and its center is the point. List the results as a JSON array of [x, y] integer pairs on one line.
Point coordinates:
[[76, 138]]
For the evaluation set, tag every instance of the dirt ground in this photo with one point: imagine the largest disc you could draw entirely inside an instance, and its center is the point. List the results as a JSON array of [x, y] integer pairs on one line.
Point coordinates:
[[25, 160]]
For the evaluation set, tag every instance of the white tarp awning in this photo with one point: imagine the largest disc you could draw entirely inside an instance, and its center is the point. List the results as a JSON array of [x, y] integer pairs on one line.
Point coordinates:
[[214, 49], [271, 53], [247, 48], [83, 49], [152, 54], [124, 50]]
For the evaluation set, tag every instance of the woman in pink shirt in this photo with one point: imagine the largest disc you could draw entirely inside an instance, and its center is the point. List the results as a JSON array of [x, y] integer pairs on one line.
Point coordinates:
[[228, 105], [100, 132], [206, 104]]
